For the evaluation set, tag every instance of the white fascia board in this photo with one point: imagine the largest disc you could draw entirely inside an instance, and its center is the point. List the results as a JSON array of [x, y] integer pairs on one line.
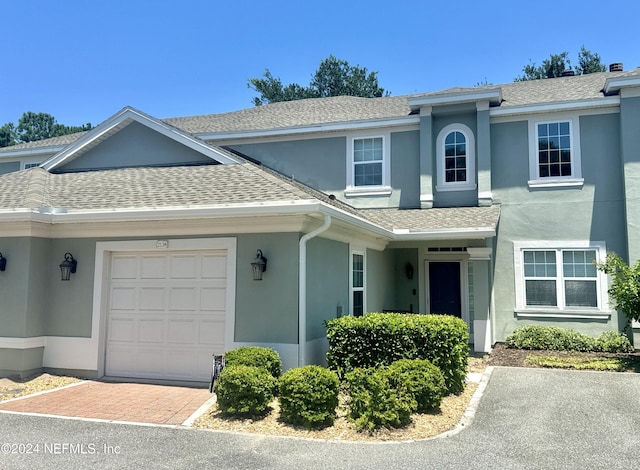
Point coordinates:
[[470, 233], [121, 117], [329, 127], [612, 85], [31, 152], [493, 96], [556, 106]]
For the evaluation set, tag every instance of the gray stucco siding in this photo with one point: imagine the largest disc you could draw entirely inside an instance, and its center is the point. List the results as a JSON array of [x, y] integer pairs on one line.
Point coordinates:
[[319, 163], [405, 170], [380, 279], [267, 310], [8, 167], [327, 284], [135, 145], [14, 287], [630, 148]]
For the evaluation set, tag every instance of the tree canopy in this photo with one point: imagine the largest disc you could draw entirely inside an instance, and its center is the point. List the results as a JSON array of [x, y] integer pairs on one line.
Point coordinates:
[[334, 77], [35, 126], [556, 64]]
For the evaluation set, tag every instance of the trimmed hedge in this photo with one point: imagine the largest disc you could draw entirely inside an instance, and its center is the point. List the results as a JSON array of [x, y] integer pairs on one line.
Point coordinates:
[[256, 356], [420, 379], [309, 396], [559, 339], [375, 402], [378, 339], [245, 390]]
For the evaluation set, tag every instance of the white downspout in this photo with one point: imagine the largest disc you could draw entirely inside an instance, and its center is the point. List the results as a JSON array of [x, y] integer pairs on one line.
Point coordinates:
[[302, 289]]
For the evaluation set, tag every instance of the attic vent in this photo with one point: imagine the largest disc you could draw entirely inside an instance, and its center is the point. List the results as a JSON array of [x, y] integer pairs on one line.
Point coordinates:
[[615, 67], [568, 73]]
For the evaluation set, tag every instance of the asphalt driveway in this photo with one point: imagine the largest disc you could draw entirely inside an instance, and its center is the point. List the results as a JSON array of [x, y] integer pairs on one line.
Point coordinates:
[[526, 419]]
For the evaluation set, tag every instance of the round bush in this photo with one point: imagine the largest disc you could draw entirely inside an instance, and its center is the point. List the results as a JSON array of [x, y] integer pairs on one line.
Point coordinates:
[[374, 402], [309, 396], [614, 342], [245, 390], [256, 356], [420, 379]]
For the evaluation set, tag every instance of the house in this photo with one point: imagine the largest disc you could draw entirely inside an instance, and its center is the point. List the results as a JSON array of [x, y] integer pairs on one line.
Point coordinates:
[[489, 203]]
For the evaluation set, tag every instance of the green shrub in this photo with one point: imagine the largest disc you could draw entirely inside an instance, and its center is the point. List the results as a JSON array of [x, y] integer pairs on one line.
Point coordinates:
[[420, 379], [375, 402], [558, 339], [378, 339], [613, 342], [245, 390], [255, 356], [309, 396]]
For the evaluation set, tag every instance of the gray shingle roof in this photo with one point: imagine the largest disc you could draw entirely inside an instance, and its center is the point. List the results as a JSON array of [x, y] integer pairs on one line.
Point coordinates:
[[138, 188], [436, 219], [346, 109], [206, 186]]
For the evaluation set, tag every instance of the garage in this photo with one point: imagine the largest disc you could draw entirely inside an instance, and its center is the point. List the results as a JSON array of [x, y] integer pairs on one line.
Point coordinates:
[[166, 313]]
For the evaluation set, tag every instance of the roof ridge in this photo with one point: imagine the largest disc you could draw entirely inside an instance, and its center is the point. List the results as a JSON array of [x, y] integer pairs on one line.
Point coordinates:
[[37, 187]]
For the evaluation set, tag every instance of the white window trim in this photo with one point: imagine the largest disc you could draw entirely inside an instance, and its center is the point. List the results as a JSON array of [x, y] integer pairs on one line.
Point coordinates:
[[535, 181], [468, 185], [522, 310], [358, 250], [379, 190]]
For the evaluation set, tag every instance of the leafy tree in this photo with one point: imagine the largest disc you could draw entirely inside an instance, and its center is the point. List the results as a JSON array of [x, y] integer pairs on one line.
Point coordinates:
[[625, 285], [8, 135], [556, 64], [334, 77], [36, 126]]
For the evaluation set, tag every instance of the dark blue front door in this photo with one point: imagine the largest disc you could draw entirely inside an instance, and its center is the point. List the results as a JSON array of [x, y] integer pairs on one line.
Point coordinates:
[[444, 288]]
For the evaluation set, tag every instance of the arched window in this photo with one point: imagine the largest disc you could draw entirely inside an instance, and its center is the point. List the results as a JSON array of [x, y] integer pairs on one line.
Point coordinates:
[[456, 158]]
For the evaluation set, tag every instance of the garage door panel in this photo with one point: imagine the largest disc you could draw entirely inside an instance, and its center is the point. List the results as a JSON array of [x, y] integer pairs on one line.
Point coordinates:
[[211, 332], [152, 298], [182, 299], [151, 331], [123, 267], [184, 267], [153, 267], [121, 329], [167, 314], [214, 267], [182, 331], [213, 299], [123, 298]]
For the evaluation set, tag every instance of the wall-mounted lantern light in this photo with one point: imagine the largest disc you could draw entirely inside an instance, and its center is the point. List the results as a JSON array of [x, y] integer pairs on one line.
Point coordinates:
[[3, 262], [258, 266], [68, 266], [409, 271]]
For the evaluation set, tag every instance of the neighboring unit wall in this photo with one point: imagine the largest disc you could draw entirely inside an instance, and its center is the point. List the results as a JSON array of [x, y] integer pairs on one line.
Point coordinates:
[[593, 212], [8, 167]]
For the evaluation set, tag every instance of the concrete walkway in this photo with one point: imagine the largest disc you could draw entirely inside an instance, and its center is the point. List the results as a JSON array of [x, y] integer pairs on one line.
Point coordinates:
[[116, 401]]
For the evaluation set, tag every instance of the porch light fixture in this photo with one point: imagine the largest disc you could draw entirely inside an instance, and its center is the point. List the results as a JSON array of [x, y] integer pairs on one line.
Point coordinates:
[[68, 266], [409, 271], [3, 262], [258, 266]]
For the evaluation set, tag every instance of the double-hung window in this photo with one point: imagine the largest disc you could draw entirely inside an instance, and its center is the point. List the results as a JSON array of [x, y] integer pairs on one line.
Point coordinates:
[[368, 164], [455, 146], [560, 277], [554, 152], [357, 283]]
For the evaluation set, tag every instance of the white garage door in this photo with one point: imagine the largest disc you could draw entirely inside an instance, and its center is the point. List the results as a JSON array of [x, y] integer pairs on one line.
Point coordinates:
[[166, 314]]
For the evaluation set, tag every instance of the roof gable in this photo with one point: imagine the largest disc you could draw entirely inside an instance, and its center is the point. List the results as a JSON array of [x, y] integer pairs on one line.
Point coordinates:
[[124, 119]]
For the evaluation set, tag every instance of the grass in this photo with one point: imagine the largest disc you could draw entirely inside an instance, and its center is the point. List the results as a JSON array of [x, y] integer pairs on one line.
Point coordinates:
[[613, 364]]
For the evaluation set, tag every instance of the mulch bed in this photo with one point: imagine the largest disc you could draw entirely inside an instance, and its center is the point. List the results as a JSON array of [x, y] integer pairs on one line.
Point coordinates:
[[503, 356]]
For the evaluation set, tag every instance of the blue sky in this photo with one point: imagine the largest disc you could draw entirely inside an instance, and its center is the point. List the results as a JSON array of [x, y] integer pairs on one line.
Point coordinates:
[[82, 61]]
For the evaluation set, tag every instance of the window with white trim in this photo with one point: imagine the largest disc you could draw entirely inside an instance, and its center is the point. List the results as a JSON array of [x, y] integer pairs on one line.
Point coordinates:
[[455, 150], [357, 300], [554, 152], [560, 277], [368, 164]]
